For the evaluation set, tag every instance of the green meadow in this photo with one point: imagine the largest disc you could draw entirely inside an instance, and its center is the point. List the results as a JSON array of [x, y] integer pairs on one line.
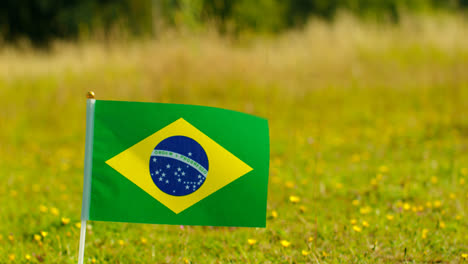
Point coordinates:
[[368, 129]]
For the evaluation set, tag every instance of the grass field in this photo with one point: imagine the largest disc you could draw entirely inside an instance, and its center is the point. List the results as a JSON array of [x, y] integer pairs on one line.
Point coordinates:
[[369, 142]]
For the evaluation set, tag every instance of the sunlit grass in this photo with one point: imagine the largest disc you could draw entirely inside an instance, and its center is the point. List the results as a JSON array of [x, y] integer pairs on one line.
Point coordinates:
[[369, 142]]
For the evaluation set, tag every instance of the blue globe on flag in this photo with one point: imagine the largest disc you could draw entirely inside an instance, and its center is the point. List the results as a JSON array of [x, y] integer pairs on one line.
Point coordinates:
[[178, 165]]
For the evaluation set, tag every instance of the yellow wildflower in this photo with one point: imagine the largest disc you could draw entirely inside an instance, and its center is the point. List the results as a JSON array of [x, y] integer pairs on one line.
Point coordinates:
[[65, 220], [302, 208], [54, 211], [121, 242], [294, 199], [289, 184], [43, 233], [93, 260], [1, 237], [11, 237], [27, 257], [274, 214], [406, 206], [43, 208], [434, 179], [442, 224], [37, 237], [338, 185], [355, 158], [399, 204], [458, 217], [462, 181], [310, 239], [275, 179], [464, 171], [357, 228], [277, 161], [424, 233], [383, 169], [353, 221], [11, 257], [428, 204], [373, 182], [305, 252], [452, 196], [365, 210], [365, 224], [251, 241], [420, 208], [437, 204], [78, 225], [355, 202], [285, 243], [143, 240], [464, 256], [390, 217], [325, 254]]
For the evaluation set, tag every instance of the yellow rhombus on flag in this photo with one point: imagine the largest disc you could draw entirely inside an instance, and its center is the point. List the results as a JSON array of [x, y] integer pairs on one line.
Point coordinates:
[[224, 166]]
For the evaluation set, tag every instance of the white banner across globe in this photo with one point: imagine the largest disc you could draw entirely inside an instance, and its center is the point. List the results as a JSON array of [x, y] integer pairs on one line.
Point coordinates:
[[188, 161]]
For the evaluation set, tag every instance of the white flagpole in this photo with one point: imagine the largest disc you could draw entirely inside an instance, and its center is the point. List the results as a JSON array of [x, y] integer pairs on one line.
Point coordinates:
[[82, 242], [88, 164]]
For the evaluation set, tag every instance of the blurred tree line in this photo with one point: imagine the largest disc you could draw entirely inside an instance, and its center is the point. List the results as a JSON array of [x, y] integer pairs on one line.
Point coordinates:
[[42, 20]]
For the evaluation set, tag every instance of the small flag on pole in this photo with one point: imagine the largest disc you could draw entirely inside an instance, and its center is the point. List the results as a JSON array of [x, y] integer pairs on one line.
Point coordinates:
[[175, 164]]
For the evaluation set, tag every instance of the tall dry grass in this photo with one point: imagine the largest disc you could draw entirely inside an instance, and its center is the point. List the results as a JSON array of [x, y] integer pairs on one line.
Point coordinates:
[[423, 49]]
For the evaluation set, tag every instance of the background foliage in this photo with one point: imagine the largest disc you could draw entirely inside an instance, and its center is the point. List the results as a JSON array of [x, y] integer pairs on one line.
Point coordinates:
[[43, 20]]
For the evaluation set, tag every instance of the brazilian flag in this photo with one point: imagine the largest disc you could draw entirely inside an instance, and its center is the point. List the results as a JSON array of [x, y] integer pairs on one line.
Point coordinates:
[[175, 164]]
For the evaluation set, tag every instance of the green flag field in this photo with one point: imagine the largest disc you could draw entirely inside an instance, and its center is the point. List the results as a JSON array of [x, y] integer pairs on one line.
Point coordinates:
[[368, 146]]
